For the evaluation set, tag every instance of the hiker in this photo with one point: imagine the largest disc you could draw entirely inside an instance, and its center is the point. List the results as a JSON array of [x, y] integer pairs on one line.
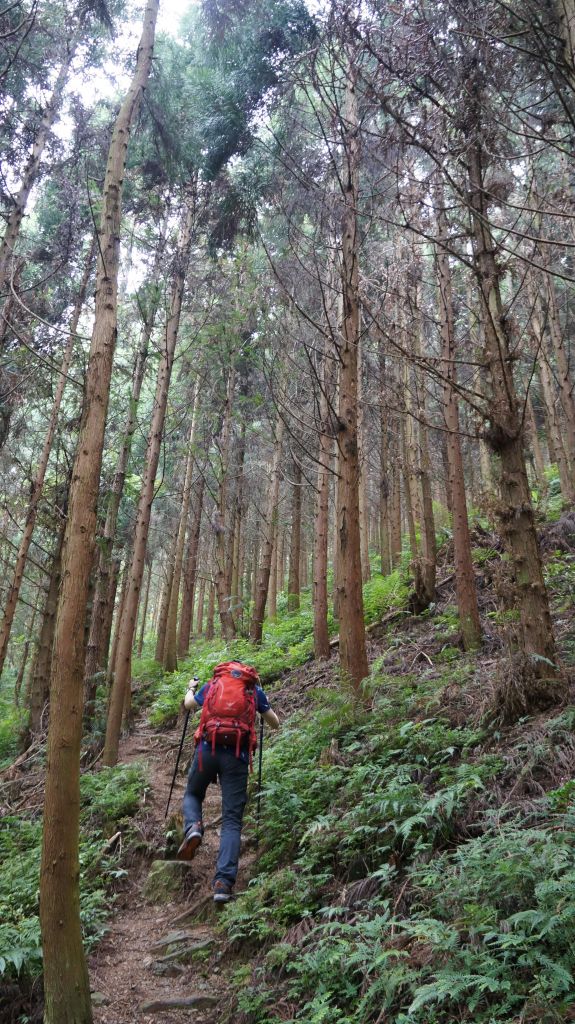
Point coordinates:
[[225, 743]]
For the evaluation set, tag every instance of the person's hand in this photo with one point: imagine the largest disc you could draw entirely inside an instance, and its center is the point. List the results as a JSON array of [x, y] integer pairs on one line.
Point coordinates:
[[189, 701]]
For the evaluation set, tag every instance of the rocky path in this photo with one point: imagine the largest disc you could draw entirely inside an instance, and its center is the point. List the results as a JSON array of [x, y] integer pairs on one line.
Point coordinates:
[[161, 959]]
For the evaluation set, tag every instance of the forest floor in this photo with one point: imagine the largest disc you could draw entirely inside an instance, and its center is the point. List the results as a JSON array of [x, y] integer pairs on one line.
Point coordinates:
[[154, 953]]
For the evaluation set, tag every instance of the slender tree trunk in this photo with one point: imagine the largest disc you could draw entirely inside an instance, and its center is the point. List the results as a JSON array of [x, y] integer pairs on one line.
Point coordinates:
[[363, 469], [273, 587], [535, 636], [116, 625], [97, 649], [128, 623], [539, 463], [255, 567], [321, 514], [66, 982], [200, 609], [170, 647], [38, 485], [282, 560], [220, 518], [384, 474], [24, 660], [91, 682], [295, 540], [211, 613], [464, 574], [187, 613], [352, 649], [145, 612], [563, 372], [303, 565], [165, 603], [39, 688], [428, 547], [269, 528]]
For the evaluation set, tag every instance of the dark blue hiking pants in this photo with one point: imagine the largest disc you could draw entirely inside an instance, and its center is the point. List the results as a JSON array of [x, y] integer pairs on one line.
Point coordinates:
[[233, 773]]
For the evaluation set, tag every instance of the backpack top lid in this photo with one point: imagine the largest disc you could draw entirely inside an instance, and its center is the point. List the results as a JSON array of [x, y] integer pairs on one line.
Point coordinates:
[[237, 670]]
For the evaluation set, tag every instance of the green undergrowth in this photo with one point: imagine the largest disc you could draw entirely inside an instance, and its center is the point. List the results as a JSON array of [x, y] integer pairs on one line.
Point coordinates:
[[11, 721], [109, 798], [287, 644], [394, 884]]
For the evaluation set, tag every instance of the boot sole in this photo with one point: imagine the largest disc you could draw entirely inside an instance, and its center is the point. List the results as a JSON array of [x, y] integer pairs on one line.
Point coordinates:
[[187, 850]]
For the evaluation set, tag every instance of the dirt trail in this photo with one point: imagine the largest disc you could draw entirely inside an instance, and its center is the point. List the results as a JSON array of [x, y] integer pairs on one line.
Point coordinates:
[[125, 968]]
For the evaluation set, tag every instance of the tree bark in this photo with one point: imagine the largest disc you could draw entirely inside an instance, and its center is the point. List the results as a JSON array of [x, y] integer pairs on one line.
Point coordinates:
[[505, 434], [66, 982], [363, 469], [295, 540], [144, 613], [464, 574], [563, 372], [39, 687], [200, 608], [269, 528], [187, 612], [170, 646], [326, 375], [128, 623], [352, 649], [211, 613], [221, 519]]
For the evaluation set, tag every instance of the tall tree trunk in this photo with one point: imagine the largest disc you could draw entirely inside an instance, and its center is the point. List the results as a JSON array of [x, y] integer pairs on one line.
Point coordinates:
[[170, 647], [539, 462], [97, 651], [66, 982], [535, 636], [273, 587], [363, 469], [187, 612], [321, 519], [30, 174], [269, 528], [211, 612], [384, 472], [39, 687], [200, 608], [220, 519], [428, 546], [563, 371], [91, 682], [144, 614], [352, 649], [464, 574], [128, 623], [38, 485], [295, 540]]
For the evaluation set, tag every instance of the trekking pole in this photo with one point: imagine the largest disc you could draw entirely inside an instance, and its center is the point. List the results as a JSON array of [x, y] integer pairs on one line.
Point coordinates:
[[177, 762], [196, 681], [259, 783]]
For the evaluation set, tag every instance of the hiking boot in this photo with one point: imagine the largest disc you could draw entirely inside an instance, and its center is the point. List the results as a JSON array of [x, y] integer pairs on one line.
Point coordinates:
[[192, 840], [222, 892]]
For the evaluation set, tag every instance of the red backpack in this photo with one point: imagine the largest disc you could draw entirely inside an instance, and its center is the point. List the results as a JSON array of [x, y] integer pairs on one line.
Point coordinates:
[[229, 709]]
